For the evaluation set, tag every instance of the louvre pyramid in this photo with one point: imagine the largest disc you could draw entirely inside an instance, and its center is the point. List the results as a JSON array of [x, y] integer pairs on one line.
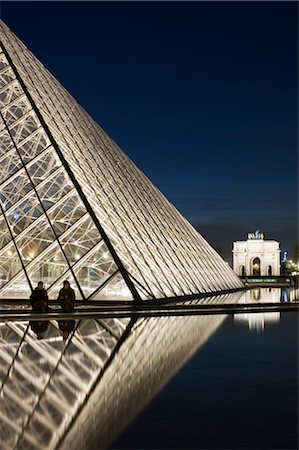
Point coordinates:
[[74, 206], [79, 394]]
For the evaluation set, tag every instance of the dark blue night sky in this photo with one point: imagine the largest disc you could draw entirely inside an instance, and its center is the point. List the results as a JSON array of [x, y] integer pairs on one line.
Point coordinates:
[[201, 95]]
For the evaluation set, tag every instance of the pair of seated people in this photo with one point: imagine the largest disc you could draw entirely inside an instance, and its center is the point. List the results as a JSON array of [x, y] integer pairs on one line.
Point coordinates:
[[39, 298]]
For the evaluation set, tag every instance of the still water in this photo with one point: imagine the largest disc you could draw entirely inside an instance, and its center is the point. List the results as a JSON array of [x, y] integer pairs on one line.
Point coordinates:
[[239, 391], [218, 381]]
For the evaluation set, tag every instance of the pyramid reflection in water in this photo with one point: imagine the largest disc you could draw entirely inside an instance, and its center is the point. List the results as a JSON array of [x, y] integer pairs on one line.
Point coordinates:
[[73, 205], [82, 392]]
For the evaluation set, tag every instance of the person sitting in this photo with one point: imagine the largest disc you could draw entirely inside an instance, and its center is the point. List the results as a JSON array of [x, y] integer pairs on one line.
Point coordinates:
[[66, 297], [39, 298]]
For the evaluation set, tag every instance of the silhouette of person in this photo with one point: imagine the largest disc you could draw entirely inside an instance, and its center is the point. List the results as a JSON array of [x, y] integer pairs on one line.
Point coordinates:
[[39, 298], [66, 326], [67, 297], [39, 327]]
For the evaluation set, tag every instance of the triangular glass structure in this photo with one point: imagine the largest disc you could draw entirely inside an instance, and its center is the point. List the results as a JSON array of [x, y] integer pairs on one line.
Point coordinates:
[[72, 204]]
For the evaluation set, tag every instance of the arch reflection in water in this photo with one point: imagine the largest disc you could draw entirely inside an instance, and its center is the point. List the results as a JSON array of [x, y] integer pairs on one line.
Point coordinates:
[[83, 391], [257, 321], [270, 295]]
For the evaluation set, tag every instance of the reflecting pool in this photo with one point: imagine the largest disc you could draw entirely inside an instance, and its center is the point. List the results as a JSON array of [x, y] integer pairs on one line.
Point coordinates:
[[213, 381]]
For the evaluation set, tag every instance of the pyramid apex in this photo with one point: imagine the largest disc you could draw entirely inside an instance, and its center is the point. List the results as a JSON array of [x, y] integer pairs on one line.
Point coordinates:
[[74, 206]]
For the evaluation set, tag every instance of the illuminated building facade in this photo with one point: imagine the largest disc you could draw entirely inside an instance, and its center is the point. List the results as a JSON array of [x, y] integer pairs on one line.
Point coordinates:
[[74, 206], [256, 256]]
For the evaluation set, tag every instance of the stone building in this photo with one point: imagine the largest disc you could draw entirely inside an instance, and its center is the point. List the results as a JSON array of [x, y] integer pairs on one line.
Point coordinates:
[[256, 256]]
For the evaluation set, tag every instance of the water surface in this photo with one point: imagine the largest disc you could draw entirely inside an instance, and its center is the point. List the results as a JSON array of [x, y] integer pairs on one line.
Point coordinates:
[[240, 390], [214, 381]]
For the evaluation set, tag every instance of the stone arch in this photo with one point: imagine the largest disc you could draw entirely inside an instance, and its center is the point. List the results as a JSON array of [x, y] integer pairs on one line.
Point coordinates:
[[256, 266]]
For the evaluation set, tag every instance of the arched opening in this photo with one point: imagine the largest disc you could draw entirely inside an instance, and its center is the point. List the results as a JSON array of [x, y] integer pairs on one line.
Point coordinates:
[[269, 271], [256, 267], [255, 294], [242, 271]]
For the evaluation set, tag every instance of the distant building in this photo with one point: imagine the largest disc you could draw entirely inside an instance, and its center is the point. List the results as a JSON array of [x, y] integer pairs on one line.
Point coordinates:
[[256, 256]]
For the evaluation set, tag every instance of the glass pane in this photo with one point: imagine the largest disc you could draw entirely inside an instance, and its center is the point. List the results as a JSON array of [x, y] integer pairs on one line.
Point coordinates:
[[3, 61], [18, 289], [5, 236], [9, 164], [14, 190], [6, 77], [33, 145], [94, 269], [83, 237], [33, 242], [115, 290], [24, 213], [10, 264], [40, 169], [2, 127], [6, 144], [11, 93], [48, 268], [53, 291], [16, 110], [24, 128], [51, 191], [67, 213]]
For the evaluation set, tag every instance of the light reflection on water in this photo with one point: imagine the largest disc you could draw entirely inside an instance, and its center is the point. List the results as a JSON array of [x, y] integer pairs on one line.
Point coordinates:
[[256, 322], [239, 391], [270, 295], [81, 392]]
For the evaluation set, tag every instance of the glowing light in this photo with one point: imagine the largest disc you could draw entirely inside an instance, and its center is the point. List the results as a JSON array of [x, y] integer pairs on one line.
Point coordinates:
[[16, 215]]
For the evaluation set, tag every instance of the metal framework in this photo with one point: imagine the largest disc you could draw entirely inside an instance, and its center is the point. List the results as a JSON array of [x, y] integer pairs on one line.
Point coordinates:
[[73, 205], [81, 392], [45, 382]]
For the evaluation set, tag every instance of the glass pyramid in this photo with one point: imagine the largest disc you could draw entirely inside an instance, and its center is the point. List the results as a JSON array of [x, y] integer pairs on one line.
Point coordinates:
[[80, 393], [74, 206]]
